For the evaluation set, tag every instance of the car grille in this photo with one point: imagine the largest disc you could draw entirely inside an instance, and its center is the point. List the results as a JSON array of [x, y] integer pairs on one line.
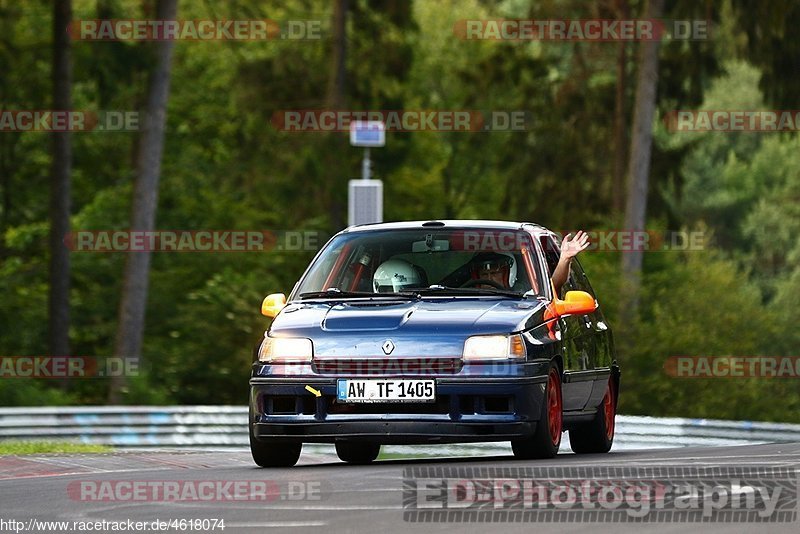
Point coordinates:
[[388, 366]]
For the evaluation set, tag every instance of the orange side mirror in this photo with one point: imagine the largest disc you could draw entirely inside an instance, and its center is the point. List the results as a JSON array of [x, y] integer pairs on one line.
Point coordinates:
[[273, 304], [575, 303]]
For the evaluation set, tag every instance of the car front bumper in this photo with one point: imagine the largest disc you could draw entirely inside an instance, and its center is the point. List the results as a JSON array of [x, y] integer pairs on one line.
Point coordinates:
[[466, 410]]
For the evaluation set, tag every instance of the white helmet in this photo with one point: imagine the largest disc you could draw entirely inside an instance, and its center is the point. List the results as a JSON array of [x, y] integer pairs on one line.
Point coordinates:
[[512, 269], [494, 260], [395, 275]]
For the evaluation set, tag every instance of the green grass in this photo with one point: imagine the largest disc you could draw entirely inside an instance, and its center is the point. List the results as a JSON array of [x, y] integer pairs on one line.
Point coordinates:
[[397, 456], [43, 447]]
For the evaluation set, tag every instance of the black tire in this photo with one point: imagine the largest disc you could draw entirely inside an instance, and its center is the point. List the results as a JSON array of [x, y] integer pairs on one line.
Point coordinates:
[[274, 454], [354, 452], [597, 436], [546, 440]]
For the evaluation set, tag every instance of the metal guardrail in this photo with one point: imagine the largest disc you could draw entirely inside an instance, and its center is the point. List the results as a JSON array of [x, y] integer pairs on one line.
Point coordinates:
[[226, 426]]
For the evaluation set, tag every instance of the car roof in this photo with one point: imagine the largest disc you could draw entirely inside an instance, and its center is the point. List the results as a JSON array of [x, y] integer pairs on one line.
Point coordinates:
[[446, 223]]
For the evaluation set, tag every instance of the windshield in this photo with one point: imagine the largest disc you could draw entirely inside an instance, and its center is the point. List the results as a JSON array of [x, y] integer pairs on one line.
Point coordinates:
[[384, 262]]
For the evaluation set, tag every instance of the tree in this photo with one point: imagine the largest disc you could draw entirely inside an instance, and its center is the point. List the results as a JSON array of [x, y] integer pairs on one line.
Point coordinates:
[[60, 198], [772, 47], [338, 65], [335, 99], [618, 178], [130, 331], [639, 161]]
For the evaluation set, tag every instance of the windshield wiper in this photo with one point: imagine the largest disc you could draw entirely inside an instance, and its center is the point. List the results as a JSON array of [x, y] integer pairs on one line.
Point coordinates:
[[336, 293], [468, 291]]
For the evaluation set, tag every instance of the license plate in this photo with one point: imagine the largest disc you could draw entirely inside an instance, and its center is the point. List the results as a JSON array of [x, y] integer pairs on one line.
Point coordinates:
[[350, 390]]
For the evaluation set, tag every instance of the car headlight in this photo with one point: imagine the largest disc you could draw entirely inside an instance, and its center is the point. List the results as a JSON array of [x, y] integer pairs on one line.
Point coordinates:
[[494, 347], [285, 349]]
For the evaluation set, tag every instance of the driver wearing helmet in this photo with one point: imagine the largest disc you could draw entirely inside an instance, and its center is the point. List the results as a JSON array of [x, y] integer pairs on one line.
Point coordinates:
[[500, 267], [396, 275], [497, 269]]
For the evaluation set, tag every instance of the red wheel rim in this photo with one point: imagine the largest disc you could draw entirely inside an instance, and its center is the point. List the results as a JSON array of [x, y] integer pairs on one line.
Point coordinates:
[[554, 406], [608, 409]]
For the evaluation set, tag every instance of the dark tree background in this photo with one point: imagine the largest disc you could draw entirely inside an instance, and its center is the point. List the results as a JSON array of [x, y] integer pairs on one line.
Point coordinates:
[[208, 157]]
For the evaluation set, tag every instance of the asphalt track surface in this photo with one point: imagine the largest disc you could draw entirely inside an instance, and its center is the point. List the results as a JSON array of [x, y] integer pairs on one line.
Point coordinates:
[[345, 498]]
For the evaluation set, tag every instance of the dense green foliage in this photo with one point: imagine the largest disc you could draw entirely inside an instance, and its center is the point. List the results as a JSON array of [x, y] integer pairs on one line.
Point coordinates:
[[226, 167]]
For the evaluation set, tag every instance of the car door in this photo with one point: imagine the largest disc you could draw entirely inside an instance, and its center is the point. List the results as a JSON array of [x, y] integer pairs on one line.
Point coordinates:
[[576, 338], [598, 344]]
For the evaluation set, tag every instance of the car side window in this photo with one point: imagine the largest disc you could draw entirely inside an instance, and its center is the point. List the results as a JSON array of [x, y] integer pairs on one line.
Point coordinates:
[[578, 279], [551, 253]]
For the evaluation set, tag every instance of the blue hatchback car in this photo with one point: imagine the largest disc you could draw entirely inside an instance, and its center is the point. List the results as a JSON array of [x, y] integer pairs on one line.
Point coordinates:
[[433, 332]]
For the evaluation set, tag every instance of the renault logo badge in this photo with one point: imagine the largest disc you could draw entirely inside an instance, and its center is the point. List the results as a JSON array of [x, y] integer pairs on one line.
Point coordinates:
[[387, 347]]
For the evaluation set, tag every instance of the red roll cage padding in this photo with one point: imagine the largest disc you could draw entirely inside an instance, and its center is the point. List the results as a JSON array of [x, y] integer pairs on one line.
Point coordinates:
[[358, 272], [337, 266], [527, 261]]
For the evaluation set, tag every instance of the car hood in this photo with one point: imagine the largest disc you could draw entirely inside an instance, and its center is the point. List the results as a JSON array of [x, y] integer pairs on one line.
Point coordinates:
[[416, 328]]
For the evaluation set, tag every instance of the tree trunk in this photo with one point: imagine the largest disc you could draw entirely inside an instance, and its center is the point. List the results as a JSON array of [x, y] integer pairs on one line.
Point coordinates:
[[338, 65], [130, 331], [335, 99], [58, 304], [639, 162], [618, 179]]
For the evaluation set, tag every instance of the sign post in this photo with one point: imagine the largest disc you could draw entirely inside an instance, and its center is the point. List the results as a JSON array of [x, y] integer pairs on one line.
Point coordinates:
[[365, 196]]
